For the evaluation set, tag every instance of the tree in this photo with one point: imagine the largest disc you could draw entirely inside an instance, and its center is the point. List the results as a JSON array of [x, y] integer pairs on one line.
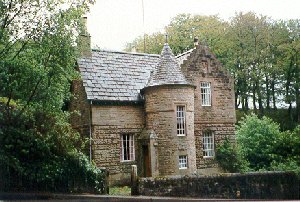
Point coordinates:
[[181, 32], [39, 149], [290, 63], [260, 53]]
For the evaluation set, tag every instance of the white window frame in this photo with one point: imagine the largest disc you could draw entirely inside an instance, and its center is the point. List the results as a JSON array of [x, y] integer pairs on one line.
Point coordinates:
[[205, 90], [208, 144], [183, 162], [181, 120], [127, 152]]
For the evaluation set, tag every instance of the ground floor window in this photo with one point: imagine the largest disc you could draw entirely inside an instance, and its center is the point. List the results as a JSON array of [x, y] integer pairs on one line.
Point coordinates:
[[183, 162], [208, 144], [127, 147]]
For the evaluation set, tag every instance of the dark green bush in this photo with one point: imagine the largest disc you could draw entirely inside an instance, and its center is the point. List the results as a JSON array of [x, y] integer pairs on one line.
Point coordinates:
[[228, 157], [39, 155]]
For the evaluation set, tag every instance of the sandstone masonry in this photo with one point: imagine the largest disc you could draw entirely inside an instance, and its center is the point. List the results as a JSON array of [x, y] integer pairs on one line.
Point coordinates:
[[165, 114]]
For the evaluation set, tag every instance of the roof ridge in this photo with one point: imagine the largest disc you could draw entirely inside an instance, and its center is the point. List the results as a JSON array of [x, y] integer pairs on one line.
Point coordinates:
[[123, 52]]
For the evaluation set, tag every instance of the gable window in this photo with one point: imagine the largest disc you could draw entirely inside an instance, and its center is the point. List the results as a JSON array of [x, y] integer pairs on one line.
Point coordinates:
[[127, 147], [183, 162], [208, 144], [180, 116], [205, 93]]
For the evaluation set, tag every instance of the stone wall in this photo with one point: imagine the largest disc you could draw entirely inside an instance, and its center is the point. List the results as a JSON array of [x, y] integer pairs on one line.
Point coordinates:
[[221, 131], [219, 118], [160, 104], [267, 185], [108, 123]]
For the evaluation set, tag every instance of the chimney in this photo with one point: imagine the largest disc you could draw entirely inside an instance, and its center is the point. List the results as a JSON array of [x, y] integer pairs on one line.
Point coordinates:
[[196, 43], [84, 22], [84, 41]]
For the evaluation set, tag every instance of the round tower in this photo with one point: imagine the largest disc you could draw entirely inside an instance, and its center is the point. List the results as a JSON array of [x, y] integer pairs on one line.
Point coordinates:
[[169, 106]]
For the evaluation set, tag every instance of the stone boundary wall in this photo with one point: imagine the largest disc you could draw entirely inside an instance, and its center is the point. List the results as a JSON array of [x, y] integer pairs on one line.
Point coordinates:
[[258, 185]]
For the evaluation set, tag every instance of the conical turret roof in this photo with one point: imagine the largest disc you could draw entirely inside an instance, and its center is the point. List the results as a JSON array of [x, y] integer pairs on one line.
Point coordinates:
[[167, 71]]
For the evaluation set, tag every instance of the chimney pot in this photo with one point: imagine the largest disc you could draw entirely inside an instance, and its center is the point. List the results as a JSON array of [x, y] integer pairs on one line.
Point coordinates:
[[196, 42]]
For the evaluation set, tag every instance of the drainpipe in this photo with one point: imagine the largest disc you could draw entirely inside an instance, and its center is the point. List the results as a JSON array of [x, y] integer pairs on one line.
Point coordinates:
[[90, 125]]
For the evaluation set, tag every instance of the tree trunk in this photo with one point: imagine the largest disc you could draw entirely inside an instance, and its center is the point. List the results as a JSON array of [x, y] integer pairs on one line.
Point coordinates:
[[268, 96], [254, 97], [297, 84], [259, 99], [273, 91], [287, 90], [246, 103]]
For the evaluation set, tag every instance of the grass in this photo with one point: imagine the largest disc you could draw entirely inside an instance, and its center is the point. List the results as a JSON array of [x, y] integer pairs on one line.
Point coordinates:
[[121, 191]]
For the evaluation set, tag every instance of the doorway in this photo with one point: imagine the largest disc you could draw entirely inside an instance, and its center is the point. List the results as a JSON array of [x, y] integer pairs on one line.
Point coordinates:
[[146, 161]]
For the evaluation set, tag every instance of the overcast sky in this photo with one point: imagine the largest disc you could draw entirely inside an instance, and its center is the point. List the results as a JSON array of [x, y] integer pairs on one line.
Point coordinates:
[[112, 23]]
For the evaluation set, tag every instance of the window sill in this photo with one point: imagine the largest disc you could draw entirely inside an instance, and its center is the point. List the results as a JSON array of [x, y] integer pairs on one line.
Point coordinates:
[[183, 168], [208, 157], [127, 161], [181, 135]]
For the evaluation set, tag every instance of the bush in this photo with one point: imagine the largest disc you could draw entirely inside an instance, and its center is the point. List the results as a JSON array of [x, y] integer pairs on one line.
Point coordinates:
[[39, 155], [264, 147], [256, 139], [229, 159]]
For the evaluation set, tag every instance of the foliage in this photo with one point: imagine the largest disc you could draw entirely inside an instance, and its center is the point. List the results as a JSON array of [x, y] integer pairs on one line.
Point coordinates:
[[229, 159], [256, 139], [262, 54], [280, 116], [39, 149], [287, 151], [181, 32], [262, 146]]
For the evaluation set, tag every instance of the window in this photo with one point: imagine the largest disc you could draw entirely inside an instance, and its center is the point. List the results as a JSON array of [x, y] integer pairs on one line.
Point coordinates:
[[205, 93], [180, 114], [208, 144], [182, 162], [127, 147]]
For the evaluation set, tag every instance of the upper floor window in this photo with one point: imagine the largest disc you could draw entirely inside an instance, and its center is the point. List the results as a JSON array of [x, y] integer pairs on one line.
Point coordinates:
[[180, 116], [205, 93], [208, 144], [183, 162], [127, 147]]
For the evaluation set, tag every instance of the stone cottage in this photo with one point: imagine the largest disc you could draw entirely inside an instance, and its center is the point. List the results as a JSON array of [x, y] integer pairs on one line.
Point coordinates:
[[164, 113]]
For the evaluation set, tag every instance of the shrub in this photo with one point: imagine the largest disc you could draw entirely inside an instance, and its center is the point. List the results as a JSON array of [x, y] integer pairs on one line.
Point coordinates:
[[256, 139], [39, 155], [229, 159]]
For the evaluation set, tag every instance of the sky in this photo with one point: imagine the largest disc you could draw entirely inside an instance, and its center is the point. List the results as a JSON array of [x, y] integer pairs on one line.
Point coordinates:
[[112, 23]]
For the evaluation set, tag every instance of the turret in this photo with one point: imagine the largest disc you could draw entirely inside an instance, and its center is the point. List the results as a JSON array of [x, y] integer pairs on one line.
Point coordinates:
[[169, 106]]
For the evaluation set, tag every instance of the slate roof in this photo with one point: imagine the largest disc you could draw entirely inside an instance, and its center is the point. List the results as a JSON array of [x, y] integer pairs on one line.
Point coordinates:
[[167, 70], [116, 76]]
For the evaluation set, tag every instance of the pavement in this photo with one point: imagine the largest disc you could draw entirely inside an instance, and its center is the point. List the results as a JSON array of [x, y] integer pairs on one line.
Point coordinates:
[[36, 197]]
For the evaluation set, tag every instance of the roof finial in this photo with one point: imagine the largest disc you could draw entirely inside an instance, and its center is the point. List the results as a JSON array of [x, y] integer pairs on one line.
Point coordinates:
[[166, 38]]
